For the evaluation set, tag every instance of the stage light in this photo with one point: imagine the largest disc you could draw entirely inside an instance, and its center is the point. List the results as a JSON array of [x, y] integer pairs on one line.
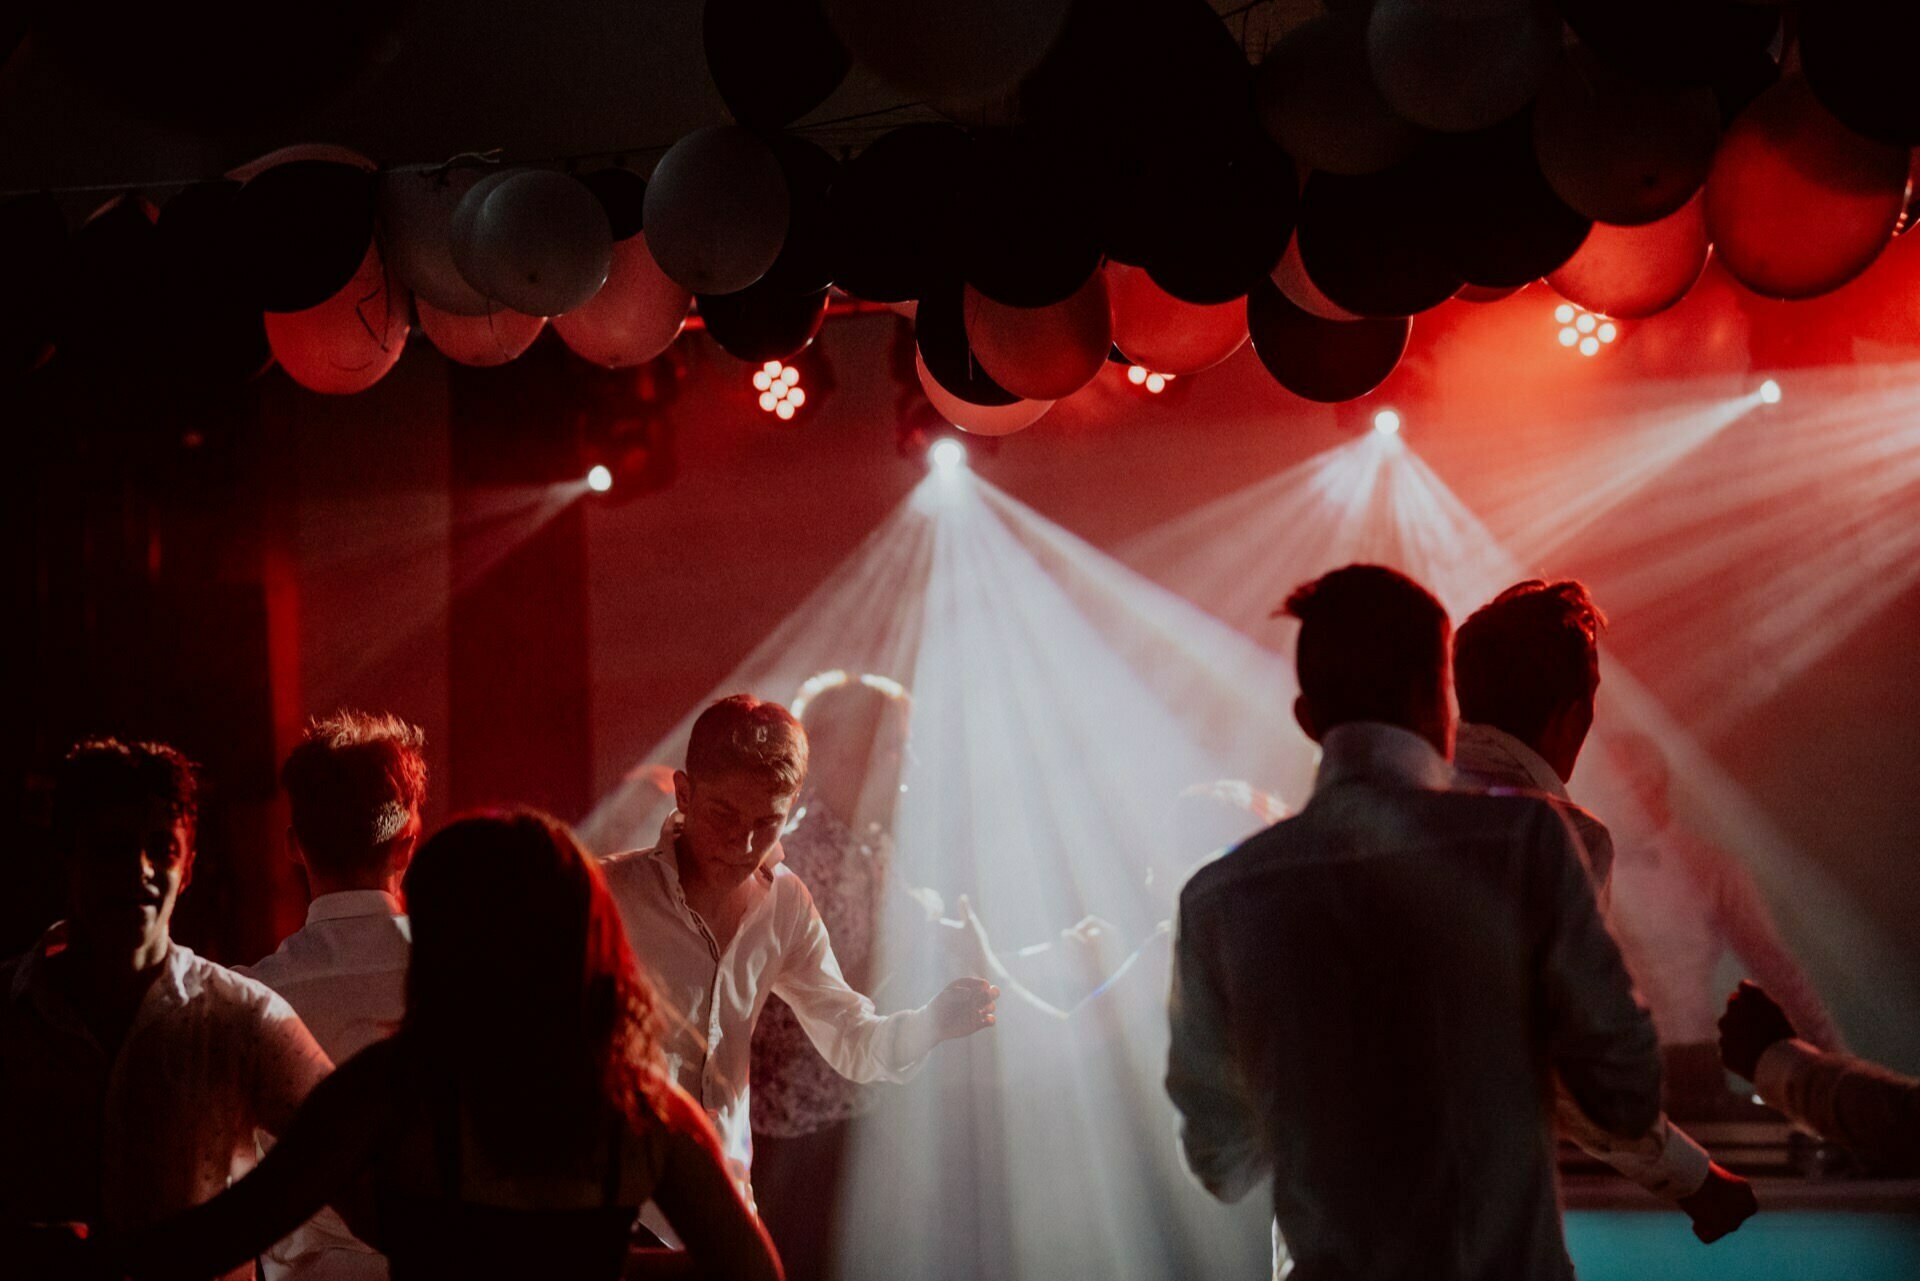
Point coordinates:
[[762, 380], [1564, 313], [1569, 336], [1585, 322], [1607, 332], [1582, 330], [1769, 392], [1589, 345], [947, 454], [1141, 376], [1136, 374], [599, 478], [783, 410], [1387, 423], [779, 387], [1156, 383]]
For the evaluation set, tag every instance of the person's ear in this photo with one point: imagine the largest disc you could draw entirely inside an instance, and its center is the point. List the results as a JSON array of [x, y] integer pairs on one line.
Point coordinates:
[[682, 790], [186, 867], [1303, 713]]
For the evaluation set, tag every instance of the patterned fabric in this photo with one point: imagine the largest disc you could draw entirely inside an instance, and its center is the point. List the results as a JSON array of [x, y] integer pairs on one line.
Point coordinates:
[[795, 1091]]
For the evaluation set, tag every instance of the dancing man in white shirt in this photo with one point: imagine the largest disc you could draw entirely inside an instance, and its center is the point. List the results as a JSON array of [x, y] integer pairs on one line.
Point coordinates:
[[1370, 1000], [355, 784], [1526, 669], [133, 1074], [719, 925]]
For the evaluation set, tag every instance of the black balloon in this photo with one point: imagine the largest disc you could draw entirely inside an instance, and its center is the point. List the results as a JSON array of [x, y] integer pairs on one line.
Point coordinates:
[[1858, 58], [898, 222], [1363, 242], [1493, 217], [110, 307], [806, 260], [623, 194], [1029, 228], [939, 328], [1232, 229], [1324, 360], [214, 330], [758, 323], [1142, 98], [304, 227], [773, 61], [1742, 80], [33, 267], [1674, 42]]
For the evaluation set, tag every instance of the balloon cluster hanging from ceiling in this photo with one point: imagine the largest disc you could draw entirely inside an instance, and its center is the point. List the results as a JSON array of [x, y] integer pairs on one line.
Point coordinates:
[[1104, 174]]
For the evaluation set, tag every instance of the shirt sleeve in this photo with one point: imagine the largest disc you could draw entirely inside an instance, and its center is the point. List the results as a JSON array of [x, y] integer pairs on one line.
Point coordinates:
[[1600, 1038], [287, 1064], [1219, 1130], [1864, 1107], [861, 1044], [1665, 1160]]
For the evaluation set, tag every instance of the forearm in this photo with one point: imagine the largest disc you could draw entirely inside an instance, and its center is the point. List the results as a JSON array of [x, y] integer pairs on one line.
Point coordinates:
[[1857, 1104], [1665, 1160]]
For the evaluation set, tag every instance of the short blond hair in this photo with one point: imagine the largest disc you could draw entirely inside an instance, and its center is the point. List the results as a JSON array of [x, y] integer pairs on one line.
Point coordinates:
[[744, 734]]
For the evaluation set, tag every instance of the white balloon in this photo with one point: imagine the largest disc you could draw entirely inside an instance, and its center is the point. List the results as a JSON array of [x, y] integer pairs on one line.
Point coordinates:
[[717, 210], [416, 234], [537, 242]]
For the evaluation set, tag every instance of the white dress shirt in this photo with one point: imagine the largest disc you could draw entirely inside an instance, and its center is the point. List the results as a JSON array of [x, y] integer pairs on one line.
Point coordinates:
[[715, 995], [1665, 1161], [163, 1124], [345, 973], [1367, 1000]]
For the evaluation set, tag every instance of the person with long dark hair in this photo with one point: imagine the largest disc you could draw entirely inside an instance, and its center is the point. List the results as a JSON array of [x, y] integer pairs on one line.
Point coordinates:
[[521, 1115]]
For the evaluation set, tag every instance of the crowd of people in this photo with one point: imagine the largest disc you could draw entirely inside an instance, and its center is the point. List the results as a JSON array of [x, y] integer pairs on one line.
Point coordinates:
[[488, 1053]]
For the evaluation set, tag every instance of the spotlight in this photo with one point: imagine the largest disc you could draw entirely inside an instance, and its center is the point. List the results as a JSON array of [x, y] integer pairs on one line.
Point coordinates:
[[1583, 331], [947, 454], [1387, 423], [1564, 313], [779, 388], [1141, 376], [1569, 335], [599, 478], [1769, 392], [1136, 374], [1589, 345]]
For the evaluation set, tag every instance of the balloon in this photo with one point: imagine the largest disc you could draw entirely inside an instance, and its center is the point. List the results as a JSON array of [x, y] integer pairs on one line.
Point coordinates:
[[538, 242], [806, 261], [1315, 95], [982, 420], [34, 264], [1634, 272], [108, 309], [1029, 233], [1797, 203], [1324, 360], [1232, 229], [214, 333], [1456, 75], [1664, 43], [1166, 335], [350, 341], [940, 333], [1494, 220], [717, 210], [965, 49], [1042, 353], [622, 194], [1362, 249], [759, 323], [1486, 293], [488, 340], [1290, 277], [898, 221], [1619, 150], [416, 232], [1858, 57], [773, 61], [636, 315], [303, 227]]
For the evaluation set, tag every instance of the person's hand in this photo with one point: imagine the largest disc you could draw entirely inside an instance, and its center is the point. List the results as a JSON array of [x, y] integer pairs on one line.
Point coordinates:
[[965, 1007], [1753, 1022], [1723, 1203]]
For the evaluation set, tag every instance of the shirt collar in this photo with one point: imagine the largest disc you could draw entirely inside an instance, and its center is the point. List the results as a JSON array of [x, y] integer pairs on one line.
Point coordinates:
[[180, 980], [1492, 752], [346, 903], [1369, 751]]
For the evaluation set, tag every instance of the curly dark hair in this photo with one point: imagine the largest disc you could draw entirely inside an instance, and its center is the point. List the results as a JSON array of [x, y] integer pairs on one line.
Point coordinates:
[[98, 772]]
